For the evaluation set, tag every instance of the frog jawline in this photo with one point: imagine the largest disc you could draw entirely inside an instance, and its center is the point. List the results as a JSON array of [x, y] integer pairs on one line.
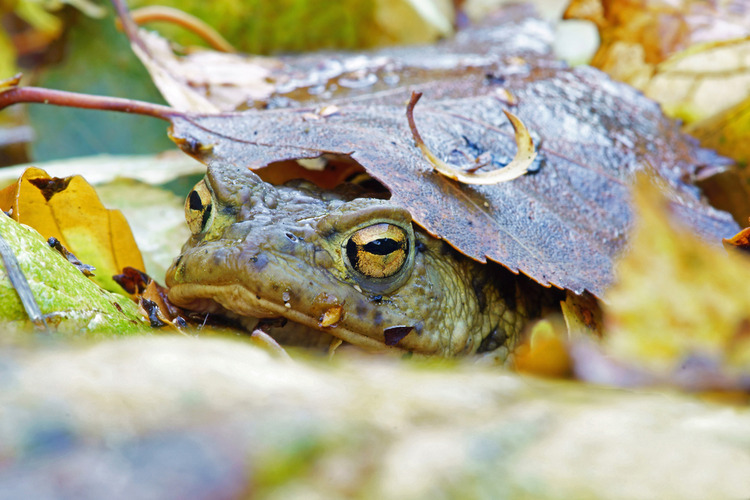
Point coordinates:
[[239, 300]]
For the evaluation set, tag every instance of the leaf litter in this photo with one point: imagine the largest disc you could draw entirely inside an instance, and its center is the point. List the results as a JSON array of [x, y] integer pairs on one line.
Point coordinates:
[[594, 146]]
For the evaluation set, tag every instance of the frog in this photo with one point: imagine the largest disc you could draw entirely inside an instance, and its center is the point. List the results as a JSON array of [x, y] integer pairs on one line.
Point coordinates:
[[345, 266]]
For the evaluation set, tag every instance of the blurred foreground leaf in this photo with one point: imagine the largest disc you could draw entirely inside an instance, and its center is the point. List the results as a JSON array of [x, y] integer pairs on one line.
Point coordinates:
[[680, 309], [73, 305], [175, 417], [69, 209]]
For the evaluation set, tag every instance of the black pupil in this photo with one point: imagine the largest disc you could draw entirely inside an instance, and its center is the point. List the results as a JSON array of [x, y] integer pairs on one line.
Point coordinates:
[[195, 201], [383, 246]]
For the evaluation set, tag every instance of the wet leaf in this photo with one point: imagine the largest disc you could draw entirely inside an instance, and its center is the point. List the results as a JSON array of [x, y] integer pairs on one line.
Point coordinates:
[[71, 303], [561, 224], [680, 312], [69, 209]]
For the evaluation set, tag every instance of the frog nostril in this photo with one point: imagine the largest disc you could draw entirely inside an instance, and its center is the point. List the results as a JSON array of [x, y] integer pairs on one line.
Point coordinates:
[[291, 236]]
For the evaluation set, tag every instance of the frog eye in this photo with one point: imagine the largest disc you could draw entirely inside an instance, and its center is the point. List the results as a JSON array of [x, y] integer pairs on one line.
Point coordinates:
[[199, 208], [378, 251]]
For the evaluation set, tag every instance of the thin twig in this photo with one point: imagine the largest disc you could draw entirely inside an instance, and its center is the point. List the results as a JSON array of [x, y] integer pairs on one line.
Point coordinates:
[[21, 285], [13, 94]]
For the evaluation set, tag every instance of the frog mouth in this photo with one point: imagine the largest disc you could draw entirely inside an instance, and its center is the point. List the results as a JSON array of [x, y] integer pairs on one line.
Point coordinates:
[[241, 301]]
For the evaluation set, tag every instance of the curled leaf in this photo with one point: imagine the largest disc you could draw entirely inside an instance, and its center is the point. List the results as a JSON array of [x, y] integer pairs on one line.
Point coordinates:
[[69, 210], [518, 166]]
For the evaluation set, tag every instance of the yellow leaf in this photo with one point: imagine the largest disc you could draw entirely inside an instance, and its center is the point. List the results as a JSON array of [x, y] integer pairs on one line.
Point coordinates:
[[69, 210], [728, 132], [688, 55], [677, 299]]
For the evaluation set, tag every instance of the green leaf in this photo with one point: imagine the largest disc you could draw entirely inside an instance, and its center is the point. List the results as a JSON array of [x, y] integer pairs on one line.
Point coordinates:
[[73, 305]]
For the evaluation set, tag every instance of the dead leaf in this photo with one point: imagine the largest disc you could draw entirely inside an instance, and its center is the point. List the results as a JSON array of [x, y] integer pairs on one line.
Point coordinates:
[[561, 224], [210, 81], [69, 209]]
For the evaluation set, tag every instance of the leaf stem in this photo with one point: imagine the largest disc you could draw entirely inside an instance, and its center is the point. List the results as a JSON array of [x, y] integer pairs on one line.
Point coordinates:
[[516, 168], [183, 19]]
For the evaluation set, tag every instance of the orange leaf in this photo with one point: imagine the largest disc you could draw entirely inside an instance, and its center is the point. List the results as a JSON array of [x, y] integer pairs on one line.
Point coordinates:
[[543, 352]]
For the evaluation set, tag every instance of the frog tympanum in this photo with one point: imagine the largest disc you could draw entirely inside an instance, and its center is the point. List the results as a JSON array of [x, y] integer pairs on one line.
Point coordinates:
[[352, 267]]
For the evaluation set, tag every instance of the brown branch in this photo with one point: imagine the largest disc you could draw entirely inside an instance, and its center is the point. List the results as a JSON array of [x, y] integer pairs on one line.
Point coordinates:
[[16, 95]]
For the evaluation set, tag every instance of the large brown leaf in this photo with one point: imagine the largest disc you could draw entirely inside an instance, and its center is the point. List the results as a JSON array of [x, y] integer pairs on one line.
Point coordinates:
[[561, 225]]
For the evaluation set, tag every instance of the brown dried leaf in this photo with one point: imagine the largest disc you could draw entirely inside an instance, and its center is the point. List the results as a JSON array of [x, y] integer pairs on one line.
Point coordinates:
[[562, 224], [230, 82]]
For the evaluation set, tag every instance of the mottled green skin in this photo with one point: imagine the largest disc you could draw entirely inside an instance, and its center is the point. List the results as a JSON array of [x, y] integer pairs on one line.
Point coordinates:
[[279, 251]]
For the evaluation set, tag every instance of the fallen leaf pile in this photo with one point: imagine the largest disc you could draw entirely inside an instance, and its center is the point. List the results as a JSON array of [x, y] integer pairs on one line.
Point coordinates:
[[692, 57]]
